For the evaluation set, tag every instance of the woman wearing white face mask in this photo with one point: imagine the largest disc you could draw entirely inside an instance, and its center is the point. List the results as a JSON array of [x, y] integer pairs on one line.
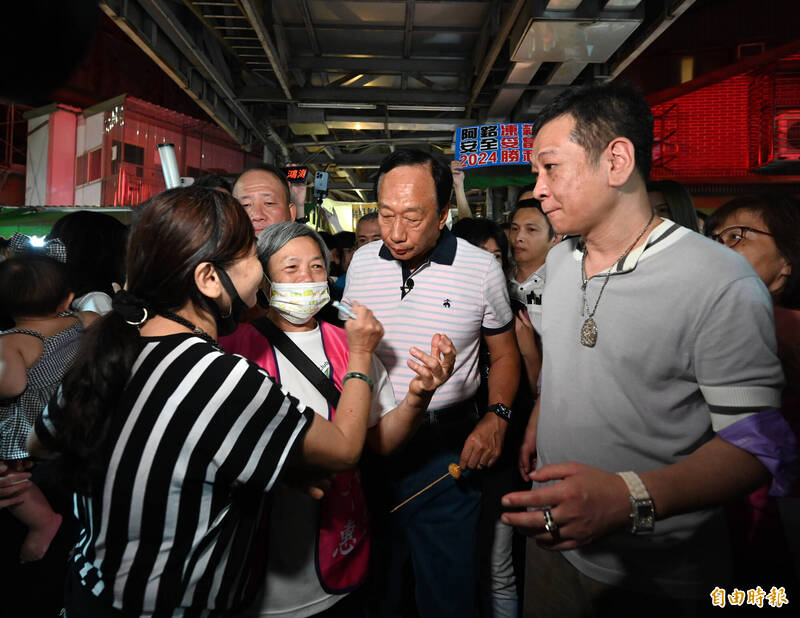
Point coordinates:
[[319, 552]]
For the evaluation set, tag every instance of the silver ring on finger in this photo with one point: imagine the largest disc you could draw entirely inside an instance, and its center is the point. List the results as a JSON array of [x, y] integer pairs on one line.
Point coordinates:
[[550, 524]]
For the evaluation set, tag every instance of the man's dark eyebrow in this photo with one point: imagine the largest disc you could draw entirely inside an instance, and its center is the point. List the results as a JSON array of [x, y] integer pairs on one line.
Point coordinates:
[[415, 207]]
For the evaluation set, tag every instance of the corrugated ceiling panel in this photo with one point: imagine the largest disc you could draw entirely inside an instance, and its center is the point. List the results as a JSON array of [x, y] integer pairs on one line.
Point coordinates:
[[454, 14], [389, 13]]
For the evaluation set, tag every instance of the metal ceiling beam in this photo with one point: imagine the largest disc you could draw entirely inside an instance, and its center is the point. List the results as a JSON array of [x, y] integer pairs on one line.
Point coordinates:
[[428, 66], [216, 33], [191, 49], [358, 81], [340, 80], [423, 80], [312, 35], [256, 21], [168, 44], [395, 123], [385, 28], [520, 74], [396, 139], [482, 43], [361, 160], [378, 96], [214, 49], [283, 46], [563, 74], [672, 11], [408, 28]]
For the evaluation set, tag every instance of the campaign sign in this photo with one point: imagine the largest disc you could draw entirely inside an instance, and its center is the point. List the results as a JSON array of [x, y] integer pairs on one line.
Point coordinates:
[[296, 175], [494, 144]]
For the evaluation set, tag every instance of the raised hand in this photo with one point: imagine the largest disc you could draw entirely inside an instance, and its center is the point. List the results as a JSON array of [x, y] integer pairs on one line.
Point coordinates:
[[458, 173], [433, 369]]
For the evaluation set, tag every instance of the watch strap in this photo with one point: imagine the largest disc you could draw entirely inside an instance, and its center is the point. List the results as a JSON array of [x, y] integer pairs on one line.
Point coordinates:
[[635, 485], [643, 510], [502, 411]]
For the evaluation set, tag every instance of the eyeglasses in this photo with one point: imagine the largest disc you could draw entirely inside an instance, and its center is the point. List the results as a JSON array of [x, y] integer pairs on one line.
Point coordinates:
[[732, 236]]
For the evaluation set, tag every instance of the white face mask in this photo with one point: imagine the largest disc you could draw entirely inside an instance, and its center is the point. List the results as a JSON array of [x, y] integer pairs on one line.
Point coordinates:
[[299, 302]]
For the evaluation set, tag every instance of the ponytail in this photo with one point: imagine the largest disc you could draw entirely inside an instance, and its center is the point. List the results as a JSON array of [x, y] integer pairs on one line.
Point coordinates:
[[92, 388]]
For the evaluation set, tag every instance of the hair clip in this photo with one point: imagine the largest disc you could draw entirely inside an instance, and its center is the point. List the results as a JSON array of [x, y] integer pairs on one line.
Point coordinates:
[[140, 322]]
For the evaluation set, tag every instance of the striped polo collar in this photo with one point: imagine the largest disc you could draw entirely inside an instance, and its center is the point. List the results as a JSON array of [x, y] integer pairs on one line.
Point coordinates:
[[664, 231], [443, 253]]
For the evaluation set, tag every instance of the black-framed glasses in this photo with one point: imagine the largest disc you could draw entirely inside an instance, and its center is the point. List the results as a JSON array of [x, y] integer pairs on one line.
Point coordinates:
[[732, 236]]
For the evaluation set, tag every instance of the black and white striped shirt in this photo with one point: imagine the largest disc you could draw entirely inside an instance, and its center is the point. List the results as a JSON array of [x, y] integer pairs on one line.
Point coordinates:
[[197, 438]]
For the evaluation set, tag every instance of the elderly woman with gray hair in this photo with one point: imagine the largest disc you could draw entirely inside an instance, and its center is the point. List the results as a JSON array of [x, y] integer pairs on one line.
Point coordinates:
[[319, 552]]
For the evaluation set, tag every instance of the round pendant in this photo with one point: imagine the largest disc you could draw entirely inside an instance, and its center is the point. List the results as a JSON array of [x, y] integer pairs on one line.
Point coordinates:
[[589, 333]]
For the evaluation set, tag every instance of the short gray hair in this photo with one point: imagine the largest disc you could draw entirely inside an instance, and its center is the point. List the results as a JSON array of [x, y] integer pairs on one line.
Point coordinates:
[[274, 238]]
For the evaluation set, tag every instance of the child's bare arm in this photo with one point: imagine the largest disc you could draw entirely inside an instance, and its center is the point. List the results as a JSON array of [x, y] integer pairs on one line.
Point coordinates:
[[13, 378]]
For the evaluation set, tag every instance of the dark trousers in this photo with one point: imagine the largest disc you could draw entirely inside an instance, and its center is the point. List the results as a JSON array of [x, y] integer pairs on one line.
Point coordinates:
[[435, 531]]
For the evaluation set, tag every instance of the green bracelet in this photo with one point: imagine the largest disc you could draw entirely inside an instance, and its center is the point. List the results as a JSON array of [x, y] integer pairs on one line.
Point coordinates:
[[360, 376]]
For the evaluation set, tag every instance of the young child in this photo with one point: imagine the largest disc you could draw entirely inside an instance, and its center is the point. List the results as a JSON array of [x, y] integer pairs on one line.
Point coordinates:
[[35, 354]]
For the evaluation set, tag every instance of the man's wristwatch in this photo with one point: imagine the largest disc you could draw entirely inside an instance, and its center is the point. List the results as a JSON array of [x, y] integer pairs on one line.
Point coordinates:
[[502, 411], [643, 510]]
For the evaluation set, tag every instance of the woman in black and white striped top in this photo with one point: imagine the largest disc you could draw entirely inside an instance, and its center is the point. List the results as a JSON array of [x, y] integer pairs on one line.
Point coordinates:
[[171, 444]]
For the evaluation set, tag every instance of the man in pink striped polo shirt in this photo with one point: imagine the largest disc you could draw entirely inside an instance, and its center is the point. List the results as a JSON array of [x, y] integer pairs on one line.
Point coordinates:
[[418, 281]]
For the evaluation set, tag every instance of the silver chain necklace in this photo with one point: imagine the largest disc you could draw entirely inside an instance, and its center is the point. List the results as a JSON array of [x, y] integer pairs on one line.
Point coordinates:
[[589, 328]]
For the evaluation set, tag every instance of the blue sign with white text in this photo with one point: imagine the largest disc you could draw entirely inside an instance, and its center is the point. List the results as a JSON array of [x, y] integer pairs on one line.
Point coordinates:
[[494, 144]]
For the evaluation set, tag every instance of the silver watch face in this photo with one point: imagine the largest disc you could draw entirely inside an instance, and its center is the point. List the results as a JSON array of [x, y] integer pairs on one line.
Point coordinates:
[[643, 515]]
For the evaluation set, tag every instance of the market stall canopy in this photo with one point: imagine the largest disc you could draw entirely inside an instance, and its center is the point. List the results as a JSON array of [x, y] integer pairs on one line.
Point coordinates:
[[33, 221]]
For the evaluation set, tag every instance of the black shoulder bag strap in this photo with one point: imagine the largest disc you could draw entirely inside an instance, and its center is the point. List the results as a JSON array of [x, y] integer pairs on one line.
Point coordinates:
[[296, 356]]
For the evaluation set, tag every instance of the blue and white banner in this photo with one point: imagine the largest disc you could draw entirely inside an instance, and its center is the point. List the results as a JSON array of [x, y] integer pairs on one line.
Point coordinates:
[[494, 144]]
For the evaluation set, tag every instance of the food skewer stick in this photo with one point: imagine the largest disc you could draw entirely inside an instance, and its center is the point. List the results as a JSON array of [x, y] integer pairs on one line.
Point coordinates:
[[453, 470]]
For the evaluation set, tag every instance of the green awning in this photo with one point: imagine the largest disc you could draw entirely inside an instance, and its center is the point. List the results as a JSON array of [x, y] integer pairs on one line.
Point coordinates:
[[38, 221]]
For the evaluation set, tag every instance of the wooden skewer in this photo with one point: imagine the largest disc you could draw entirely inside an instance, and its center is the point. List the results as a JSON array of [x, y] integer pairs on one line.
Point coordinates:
[[453, 470]]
